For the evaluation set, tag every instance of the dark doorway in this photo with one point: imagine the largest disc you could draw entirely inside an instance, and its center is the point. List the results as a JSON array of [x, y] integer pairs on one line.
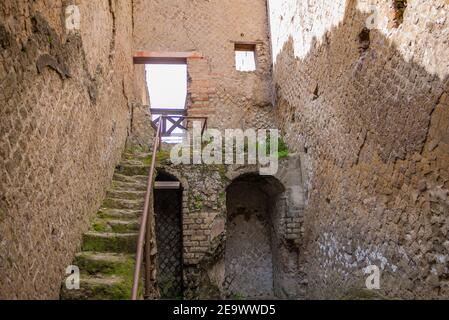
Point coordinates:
[[252, 237], [168, 218]]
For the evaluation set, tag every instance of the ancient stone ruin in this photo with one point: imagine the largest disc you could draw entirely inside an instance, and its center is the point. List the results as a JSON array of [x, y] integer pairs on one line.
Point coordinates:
[[90, 190]]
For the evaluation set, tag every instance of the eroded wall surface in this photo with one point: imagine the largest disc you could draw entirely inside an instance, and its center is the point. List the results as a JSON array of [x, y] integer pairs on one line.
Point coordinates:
[[63, 124], [367, 106], [230, 99]]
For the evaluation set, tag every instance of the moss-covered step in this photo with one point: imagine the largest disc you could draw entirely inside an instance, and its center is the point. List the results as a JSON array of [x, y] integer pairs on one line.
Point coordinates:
[[115, 226], [130, 179], [104, 262], [109, 242], [129, 186], [122, 193], [115, 203], [125, 214], [107, 258], [124, 226], [99, 287], [132, 169]]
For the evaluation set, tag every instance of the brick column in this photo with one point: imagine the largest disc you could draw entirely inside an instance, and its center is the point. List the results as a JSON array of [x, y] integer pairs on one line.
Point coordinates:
[[198, 88]]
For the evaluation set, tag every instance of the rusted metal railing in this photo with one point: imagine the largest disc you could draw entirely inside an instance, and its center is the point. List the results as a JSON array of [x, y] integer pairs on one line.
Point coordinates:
[[145, 223], [144, 235]]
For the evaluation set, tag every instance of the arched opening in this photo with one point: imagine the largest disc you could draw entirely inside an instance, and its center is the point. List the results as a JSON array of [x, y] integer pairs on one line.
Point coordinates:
[[252, 237], [168, 220]]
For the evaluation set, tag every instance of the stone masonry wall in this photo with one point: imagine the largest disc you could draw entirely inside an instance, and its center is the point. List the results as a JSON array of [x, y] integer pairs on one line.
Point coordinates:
[[64, 119], [205, 223], [230, 99], [368, 110]]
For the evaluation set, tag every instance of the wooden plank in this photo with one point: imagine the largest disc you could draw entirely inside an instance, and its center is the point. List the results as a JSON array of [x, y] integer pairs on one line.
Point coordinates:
[[167, 185], [168, 112], [247, 42], [152, 57], [139, 60]]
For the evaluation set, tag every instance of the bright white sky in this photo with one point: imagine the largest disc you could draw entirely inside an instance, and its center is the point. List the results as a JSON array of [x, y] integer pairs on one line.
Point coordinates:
[[245, 61], [167, 85]]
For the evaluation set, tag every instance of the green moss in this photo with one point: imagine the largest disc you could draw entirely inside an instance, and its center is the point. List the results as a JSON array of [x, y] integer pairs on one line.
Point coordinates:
[[282, 149], [133, 170], [92, 242], [134, 150], [123, 269], [109, 203], [163, 156], [197, 202], [100, 226], [222, 171], [238, 296], [147, 160], [90, 265], [126, 271], [124, 228]]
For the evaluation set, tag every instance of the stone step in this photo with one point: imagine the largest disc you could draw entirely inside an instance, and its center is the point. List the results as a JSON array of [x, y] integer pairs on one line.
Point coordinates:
[[142, 156], [103, 262], [115, 203], [132, 170], [115, 225], [129, 186], [121, 193], [121, 226], [133, 162], [122, 214], [110, 242], [99, 287], [138, 179]]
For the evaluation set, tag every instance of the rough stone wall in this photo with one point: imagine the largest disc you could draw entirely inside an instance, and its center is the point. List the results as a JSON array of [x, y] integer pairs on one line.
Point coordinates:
[[63, 125], [368, 110], [141, 133], [230, 99]]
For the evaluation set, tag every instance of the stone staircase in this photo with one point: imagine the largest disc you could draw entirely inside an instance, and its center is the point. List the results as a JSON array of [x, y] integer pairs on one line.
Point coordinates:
[[107, 256]]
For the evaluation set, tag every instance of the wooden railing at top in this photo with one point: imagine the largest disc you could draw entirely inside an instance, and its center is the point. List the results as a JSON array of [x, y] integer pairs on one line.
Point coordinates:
[[172, 119], [144, 235]]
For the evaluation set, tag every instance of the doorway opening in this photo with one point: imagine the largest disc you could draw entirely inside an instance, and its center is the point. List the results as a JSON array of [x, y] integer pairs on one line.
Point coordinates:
[[167, 90], [252, 241], [168, 219]]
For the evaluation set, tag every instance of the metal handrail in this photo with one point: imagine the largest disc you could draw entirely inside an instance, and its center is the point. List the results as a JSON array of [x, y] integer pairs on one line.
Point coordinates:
[[145, 221]]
